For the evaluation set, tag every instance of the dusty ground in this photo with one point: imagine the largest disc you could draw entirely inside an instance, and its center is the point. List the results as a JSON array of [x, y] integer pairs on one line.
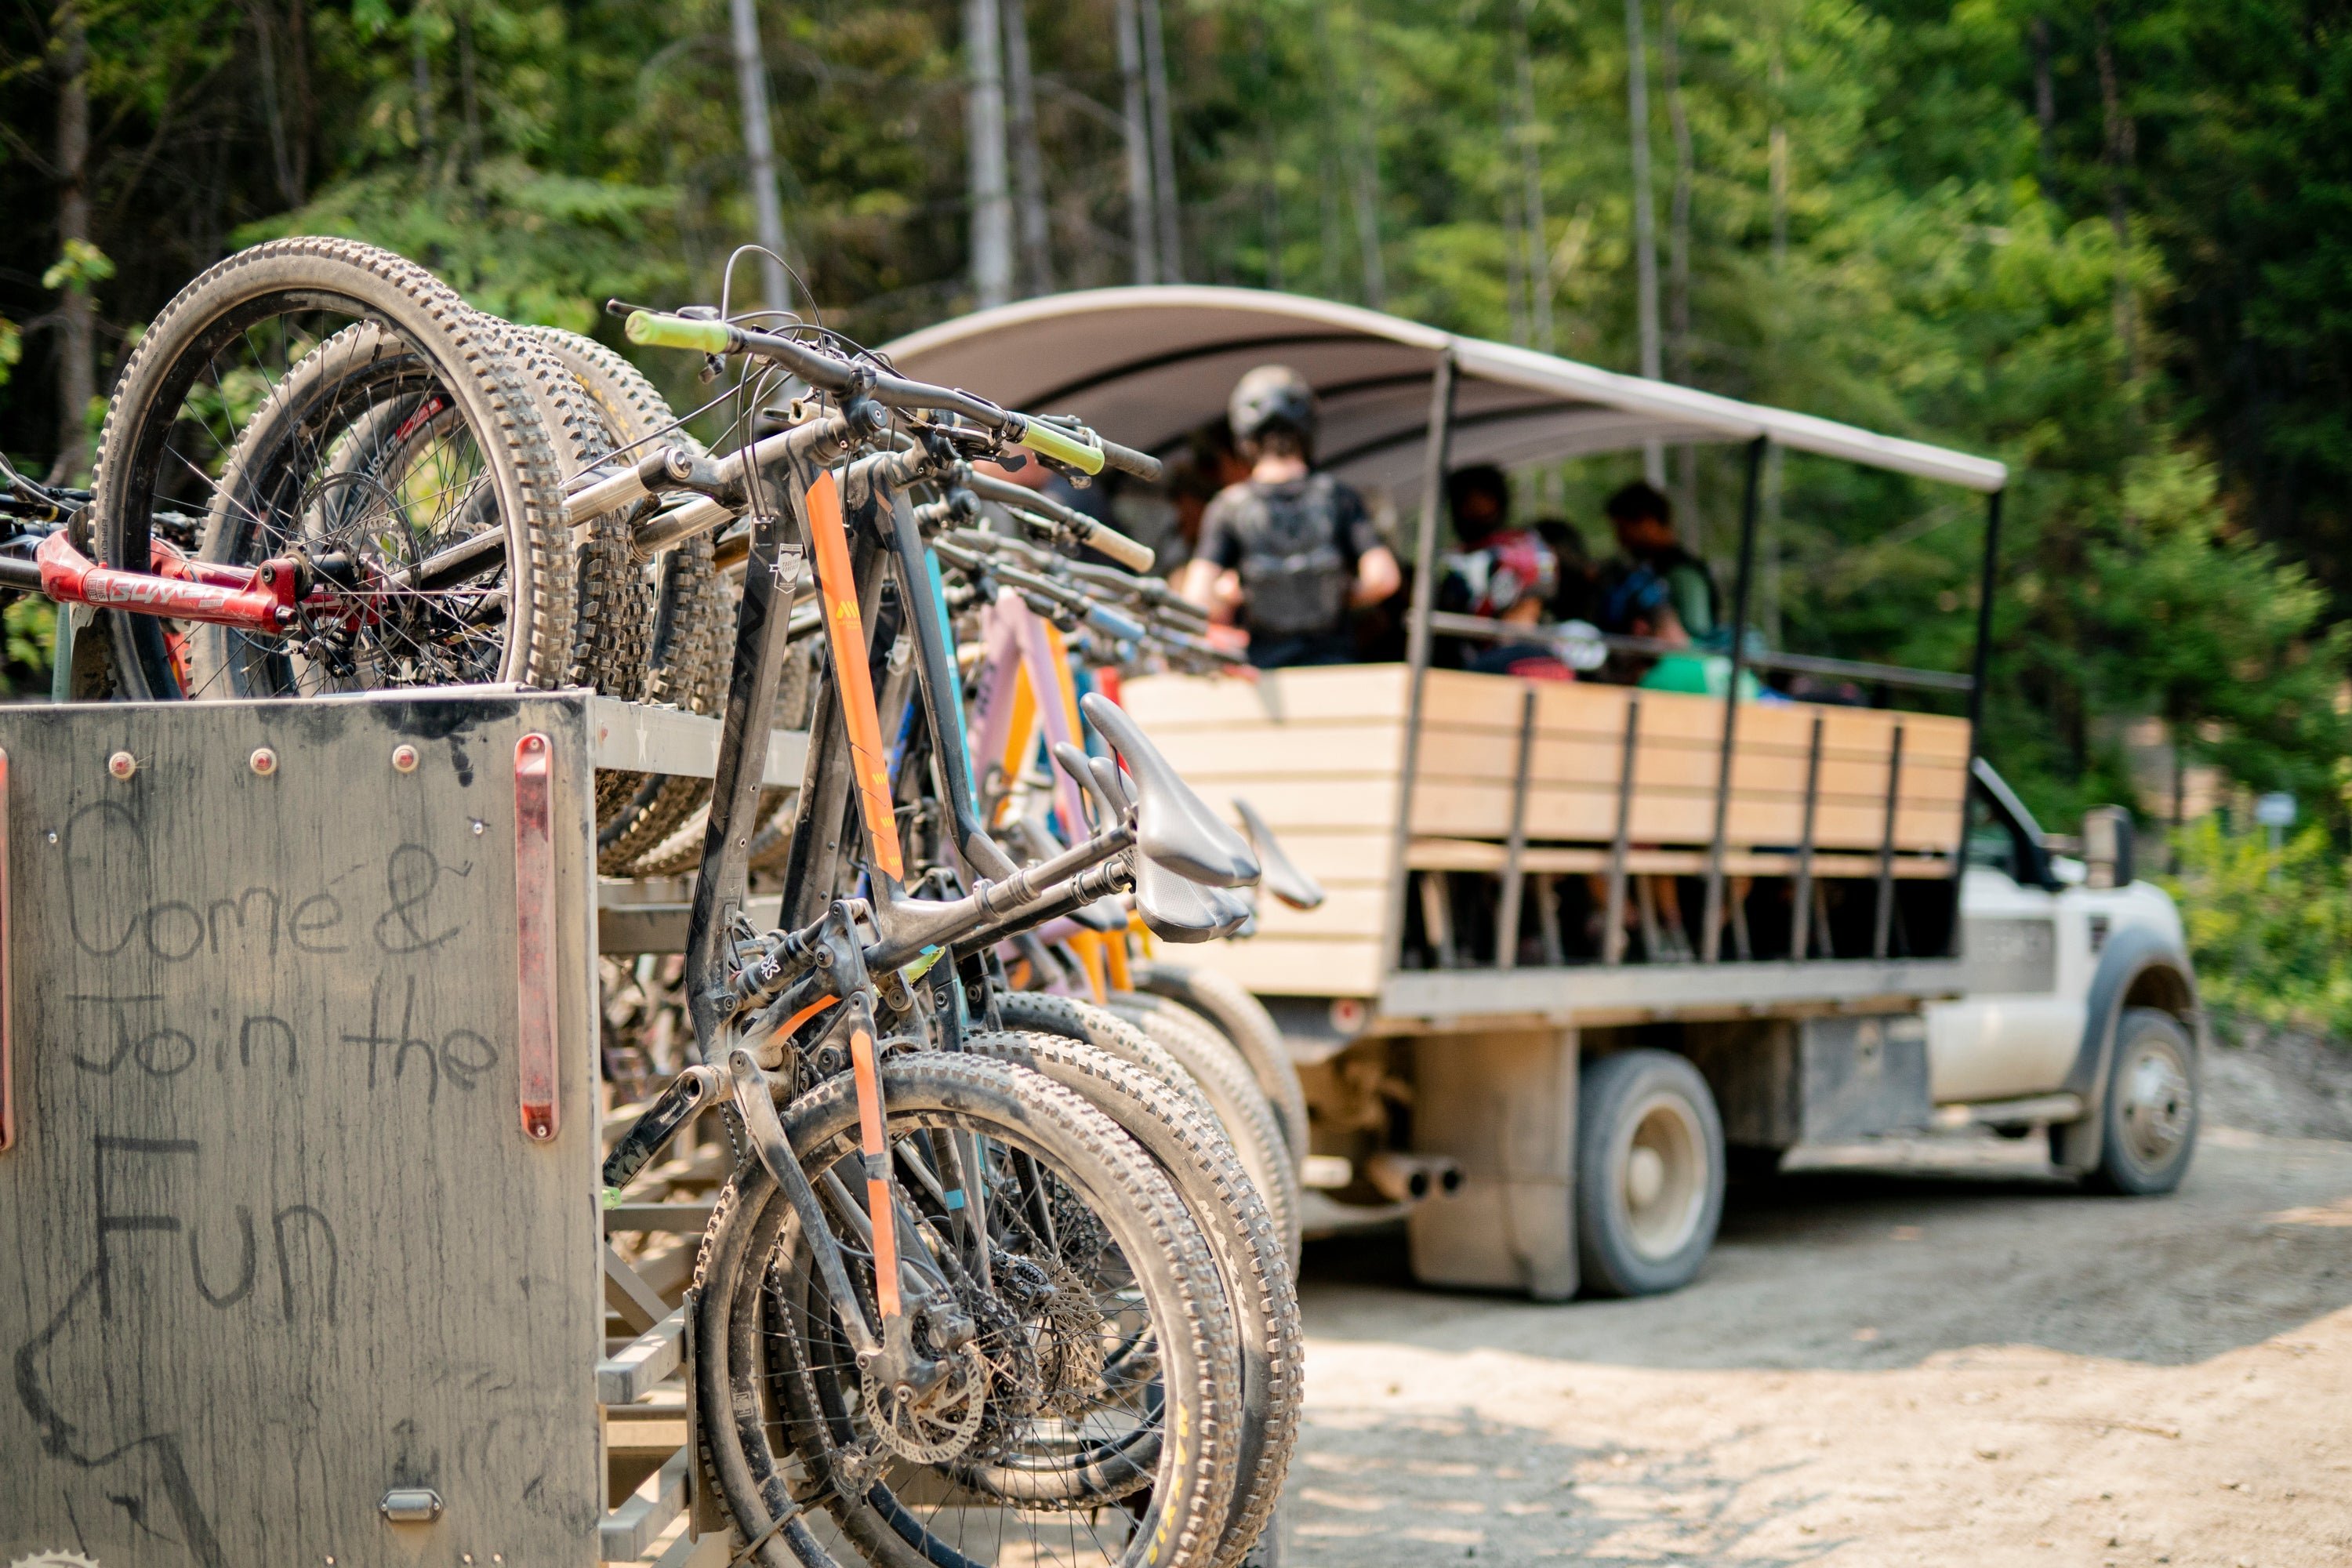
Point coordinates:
[[1946, 1358]]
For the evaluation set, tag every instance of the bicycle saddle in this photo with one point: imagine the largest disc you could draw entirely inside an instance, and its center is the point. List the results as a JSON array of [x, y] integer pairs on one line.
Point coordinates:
[[1284, 880], [1099, 776], [1176, 909], [1174, 827]]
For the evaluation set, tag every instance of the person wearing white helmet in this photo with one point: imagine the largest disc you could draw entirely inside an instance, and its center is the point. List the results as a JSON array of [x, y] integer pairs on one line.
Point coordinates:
[[1286, 552]]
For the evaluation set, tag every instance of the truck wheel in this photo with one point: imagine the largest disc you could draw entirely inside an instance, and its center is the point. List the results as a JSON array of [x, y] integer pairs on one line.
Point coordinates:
[[1649, 1173], [2151, 1105]]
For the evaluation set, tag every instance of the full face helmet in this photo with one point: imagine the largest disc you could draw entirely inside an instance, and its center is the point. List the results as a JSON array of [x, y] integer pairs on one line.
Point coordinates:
[[1271, 396]]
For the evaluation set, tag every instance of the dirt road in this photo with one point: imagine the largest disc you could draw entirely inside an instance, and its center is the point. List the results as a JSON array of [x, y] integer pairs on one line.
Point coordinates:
[[1960, 1361]]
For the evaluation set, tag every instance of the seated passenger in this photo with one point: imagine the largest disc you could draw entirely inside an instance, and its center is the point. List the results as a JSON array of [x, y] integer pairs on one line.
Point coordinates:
[[1286, 552], [1502, 573], [1577, 596], [1648, 550]]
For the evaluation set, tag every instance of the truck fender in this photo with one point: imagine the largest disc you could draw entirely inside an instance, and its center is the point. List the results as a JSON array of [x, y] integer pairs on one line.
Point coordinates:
[[2141, 967]]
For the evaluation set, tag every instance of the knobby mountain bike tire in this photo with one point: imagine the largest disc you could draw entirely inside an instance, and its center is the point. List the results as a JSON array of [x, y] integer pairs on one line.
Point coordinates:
[[774, 1385], [1041, 1012], [1198, 1159], [1243, 1019], [1233, 1093], [687, 622], [225, 344]]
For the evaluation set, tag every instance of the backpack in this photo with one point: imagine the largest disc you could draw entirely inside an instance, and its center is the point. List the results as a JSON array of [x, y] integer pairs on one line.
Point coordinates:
[[1294, 577]]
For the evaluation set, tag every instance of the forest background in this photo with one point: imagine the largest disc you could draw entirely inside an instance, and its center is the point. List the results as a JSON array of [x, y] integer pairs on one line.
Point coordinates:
[[2109, 245]]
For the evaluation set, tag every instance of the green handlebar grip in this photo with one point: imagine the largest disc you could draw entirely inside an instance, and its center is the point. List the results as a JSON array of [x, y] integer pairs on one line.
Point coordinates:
[[1060, 446], [679, 333]]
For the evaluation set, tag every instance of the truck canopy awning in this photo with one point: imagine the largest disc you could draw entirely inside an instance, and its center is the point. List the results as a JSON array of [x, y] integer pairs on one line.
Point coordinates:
[[1146, 365]]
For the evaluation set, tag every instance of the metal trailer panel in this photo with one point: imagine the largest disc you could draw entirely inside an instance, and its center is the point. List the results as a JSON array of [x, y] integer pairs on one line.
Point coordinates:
[[280, 1241], [1414, 999], [1502, 1104]]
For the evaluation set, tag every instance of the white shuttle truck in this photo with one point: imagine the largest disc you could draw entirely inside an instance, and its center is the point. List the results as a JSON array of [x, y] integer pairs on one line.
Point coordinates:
[[2080, 1009], [1588, 946]]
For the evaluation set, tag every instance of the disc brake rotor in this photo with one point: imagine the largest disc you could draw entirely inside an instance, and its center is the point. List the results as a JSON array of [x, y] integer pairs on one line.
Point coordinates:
[[938, 1427]]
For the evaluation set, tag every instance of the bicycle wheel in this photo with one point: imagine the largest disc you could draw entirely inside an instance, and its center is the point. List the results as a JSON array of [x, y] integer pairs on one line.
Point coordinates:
[[1195, 1152], [1040, 1012], [1098, 1366], [473, 453], [1242, 1018], [1232, 1092], [331, 466], [689, 623]]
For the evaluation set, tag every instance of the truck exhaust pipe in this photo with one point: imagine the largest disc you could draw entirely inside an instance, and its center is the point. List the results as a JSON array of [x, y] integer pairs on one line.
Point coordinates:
[[1410, 1178]]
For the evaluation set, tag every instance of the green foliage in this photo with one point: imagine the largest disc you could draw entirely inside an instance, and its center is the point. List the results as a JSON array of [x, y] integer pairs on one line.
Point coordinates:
[[2270, 932], [516, 242], [28, 639], [82, 265], [2137, 304]]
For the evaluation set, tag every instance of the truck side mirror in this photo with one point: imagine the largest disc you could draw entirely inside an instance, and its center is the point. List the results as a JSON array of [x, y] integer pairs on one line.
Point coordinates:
[[2107, 846]]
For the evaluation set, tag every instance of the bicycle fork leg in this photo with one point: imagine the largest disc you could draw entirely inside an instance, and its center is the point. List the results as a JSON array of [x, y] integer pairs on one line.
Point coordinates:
[[766, 1129], [874, 1145]]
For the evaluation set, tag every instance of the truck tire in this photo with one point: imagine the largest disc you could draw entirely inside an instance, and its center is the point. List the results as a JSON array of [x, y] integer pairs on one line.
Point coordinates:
[[2150, 1110], [1649, 1173]]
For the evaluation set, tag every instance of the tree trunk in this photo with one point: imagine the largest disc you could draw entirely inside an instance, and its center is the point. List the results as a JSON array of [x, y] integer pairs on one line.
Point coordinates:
[[1327, 185], [1143, 212], [1678, 265], [304, 107], [1163, 144], [1778, 144], [77, 347], [992, 207], [273, 111], [759, 150], [468, 103], [2045, 103], [1538, 241], [1368, 171], [421, 70], [1028, 158], [1514, 249], [1646, 219], [1271, 195], [2118, 154]]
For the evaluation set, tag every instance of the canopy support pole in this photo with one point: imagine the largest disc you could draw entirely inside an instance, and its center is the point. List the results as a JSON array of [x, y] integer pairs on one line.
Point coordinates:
[[1979, 662], [1417, 637], [1711, 943]]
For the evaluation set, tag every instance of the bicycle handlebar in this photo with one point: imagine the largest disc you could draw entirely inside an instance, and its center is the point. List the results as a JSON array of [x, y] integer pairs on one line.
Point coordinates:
[[1080, 449], [1129, 552]]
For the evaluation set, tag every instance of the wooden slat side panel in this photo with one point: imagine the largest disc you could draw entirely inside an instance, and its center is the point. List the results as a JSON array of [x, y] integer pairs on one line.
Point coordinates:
[[1341, 693], [1344, 913], [1452, 810], [1452, 752], [1280, 966], [1290, 750], [1351, 805]]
